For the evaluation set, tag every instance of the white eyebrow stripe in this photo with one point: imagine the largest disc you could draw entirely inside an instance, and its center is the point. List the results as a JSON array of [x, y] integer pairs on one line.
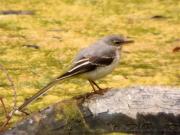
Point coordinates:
[[79, 66]]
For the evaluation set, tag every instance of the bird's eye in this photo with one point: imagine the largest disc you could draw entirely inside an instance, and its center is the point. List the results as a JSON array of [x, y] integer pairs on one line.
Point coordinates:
[[116, 42]]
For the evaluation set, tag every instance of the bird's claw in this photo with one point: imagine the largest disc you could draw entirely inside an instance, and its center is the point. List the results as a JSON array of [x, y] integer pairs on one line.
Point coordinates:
[[101, 91]]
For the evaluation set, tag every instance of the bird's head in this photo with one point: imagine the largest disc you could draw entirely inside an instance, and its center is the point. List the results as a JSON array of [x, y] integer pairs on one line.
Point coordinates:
[[116, 40]]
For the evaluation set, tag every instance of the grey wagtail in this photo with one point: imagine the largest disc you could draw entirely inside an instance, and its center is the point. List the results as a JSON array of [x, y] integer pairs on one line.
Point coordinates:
[[91, 63]]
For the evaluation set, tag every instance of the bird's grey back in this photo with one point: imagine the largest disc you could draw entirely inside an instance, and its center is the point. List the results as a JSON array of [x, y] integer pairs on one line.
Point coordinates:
[[97, 49]]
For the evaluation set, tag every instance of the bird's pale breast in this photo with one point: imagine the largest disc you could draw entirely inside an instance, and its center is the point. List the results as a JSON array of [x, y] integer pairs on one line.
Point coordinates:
[[102, 71]]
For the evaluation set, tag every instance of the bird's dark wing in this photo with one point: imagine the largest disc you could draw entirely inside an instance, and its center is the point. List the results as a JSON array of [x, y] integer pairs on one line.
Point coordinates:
[[87, 65]]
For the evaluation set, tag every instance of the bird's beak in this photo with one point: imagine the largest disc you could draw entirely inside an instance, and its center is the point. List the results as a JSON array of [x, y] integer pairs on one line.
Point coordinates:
[[128, 41]]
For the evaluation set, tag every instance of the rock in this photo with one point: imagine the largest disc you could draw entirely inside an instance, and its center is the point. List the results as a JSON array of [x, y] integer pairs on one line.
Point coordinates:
[[153, 110]]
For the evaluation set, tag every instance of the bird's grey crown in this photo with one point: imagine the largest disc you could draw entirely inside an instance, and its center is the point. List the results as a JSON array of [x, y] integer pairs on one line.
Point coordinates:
[[109, 39]]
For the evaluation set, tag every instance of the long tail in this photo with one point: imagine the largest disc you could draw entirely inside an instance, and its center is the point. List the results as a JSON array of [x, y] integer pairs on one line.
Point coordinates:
[[44, 90], [38, 94]]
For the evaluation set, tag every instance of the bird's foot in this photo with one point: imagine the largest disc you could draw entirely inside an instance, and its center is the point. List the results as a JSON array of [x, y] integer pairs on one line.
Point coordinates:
[[89, 95], [101, 91]]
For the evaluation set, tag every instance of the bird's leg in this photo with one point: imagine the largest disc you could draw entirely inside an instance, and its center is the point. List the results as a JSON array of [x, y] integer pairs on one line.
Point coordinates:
[[92, 85], [96, 85], [101, 90]]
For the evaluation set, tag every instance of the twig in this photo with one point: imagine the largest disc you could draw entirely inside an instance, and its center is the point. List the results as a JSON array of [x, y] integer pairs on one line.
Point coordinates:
[[4, 107], [8, 115], [12, 85]]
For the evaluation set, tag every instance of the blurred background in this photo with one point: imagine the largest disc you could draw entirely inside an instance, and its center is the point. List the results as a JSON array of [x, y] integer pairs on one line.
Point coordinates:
[[38, 40]]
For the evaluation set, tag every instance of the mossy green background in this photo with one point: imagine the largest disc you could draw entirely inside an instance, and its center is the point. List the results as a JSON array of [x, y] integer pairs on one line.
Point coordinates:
[[62, 27]]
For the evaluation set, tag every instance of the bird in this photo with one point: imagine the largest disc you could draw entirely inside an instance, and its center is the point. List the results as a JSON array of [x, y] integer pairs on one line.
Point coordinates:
[[91, 63]]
